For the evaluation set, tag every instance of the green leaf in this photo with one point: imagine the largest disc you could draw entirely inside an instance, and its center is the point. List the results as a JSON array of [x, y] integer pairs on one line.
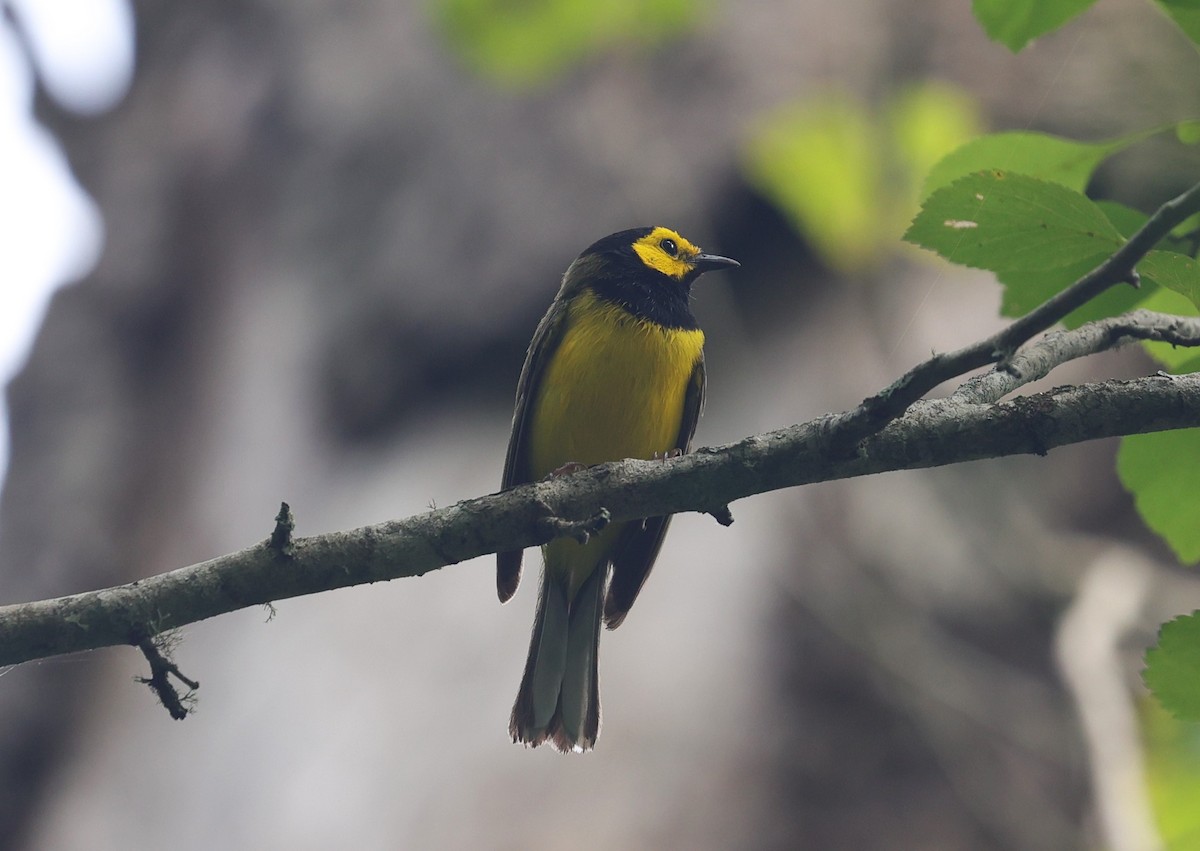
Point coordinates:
[[1185, 14], [1160, 470], [1009, 222], [1015, 23], [1126, 220], [1173, 667], [1026, 290], [1123, 298], [1052, 158], [1177, 272], [1163, 271]]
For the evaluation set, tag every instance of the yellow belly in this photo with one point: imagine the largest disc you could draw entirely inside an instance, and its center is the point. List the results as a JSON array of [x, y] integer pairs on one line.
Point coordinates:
[[614, 389]]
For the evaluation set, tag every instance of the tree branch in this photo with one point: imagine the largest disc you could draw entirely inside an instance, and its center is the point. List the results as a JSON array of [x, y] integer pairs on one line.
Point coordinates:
[[932, 433], [876, 411], [1058, 347], [891, 430]]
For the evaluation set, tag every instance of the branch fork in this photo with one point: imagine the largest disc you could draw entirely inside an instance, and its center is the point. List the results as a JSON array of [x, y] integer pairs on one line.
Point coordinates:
[[581, 530], [159, 681]]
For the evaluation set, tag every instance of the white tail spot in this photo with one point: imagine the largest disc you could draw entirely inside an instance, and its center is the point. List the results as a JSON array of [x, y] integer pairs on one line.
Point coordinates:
[[960, 225]]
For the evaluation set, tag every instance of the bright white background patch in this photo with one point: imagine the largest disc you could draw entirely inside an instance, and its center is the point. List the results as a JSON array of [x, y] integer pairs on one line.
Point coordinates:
[[50, 231]]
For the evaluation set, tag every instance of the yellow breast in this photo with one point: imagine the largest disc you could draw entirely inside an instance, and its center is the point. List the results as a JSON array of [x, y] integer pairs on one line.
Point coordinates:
[[615, 388]]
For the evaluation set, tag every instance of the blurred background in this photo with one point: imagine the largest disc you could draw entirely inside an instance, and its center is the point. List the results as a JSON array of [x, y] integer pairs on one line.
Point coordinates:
[[304, 248]]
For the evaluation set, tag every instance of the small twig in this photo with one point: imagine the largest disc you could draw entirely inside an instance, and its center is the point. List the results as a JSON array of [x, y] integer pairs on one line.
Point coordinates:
[[933, 433], [161, 671], [281, 535], [580, 530], [722, 515], [1056, 348]]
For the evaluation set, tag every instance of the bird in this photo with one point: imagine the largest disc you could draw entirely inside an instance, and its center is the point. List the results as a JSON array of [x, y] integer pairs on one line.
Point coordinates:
[[615, 370]]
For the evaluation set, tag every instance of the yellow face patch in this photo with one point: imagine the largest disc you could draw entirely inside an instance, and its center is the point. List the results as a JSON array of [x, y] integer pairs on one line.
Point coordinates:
[[666, 251]]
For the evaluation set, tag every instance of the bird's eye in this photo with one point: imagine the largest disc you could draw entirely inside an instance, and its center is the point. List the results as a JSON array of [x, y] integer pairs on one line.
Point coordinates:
[[669, 246]]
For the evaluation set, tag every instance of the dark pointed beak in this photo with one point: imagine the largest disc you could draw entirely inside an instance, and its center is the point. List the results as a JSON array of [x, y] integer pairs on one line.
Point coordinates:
[[702, 263]]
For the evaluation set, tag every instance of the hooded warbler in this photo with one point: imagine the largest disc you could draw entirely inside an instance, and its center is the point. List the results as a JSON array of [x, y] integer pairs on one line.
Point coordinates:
[[615, 370]]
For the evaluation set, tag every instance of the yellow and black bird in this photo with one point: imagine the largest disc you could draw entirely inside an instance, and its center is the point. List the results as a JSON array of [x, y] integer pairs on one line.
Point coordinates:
[[615, 370]]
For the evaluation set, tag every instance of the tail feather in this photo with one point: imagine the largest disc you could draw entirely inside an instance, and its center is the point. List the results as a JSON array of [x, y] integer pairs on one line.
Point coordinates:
[[508, 574], [559, 698], [548, 653], [579, 700]]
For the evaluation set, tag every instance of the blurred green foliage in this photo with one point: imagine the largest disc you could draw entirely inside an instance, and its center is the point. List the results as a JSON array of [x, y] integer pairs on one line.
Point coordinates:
[[1188, 132], [1015, 23], [847, 175], [1186, 15], [819, 163], [1173, 774], [524, 42]]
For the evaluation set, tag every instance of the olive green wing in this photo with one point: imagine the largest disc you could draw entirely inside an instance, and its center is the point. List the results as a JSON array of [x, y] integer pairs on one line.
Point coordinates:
[[640, 542], [545, 342]]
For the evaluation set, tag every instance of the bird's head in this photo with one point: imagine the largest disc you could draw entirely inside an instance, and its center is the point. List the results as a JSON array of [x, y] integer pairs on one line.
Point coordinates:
[[656, 252], [647, 271]]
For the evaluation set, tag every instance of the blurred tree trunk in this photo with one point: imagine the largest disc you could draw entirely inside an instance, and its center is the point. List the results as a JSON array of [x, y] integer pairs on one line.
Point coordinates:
[[107, 417]]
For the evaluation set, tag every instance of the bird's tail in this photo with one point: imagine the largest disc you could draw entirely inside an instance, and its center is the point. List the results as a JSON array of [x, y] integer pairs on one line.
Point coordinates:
[[559, 699]]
